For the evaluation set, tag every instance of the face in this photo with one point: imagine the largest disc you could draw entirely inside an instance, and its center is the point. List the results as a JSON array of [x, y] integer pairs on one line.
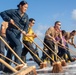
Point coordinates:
[[58, 25], [32, 23], [73, 33], [23, 8]]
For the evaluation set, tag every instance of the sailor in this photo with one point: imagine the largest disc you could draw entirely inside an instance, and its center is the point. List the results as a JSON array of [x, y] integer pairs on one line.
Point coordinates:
[[50, 36], [28, 41], [20, 18], [70, 37], [4, 26]]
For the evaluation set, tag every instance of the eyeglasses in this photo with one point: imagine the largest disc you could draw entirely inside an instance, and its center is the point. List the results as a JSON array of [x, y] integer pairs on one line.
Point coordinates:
[[59, 24]]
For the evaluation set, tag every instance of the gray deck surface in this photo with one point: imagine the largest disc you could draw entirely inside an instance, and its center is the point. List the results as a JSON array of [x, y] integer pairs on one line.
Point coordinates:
[[70, 69]]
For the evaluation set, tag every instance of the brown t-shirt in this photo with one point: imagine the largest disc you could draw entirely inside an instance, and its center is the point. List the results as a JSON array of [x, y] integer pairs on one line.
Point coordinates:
[[4, 26], [69, 37], [52, 32]]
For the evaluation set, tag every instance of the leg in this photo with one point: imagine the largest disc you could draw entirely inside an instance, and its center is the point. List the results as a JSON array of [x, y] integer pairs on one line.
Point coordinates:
[[69, 56], [2, 46], [36, 51], [61, 52], [29, 45], [9, 55], [14, 40], [44, 56], [23, 54], [51, 45]]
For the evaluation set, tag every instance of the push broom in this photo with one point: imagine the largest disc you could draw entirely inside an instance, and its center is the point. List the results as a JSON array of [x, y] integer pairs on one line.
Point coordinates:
[[42, 64], [23, 64], [62, 61], [60, 68]]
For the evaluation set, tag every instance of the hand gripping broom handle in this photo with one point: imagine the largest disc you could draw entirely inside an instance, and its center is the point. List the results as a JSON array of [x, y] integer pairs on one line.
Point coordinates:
[[49, 48], [12, 50], [59, 44], [17, 27], [34, 43]]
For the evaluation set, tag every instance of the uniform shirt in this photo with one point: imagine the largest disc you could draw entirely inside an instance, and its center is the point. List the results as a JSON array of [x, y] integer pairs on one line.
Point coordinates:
[[52, 32], [69, 38], [64, 40], [21, 22], [4, 26], [26, 38]]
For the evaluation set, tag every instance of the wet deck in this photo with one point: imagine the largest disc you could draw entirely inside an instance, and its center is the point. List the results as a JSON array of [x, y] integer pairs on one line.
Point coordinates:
[[70, 69]]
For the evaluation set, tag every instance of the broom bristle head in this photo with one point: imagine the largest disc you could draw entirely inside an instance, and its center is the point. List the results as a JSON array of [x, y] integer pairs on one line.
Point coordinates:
[[63, 63], [43, 65], [57, 67]]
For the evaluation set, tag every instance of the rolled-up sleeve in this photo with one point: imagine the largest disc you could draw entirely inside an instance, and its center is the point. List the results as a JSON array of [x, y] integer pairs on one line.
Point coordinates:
[[6, 15]]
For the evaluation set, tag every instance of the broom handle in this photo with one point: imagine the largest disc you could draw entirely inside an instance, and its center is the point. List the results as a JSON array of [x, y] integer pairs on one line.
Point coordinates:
[[49, 48], [12, 50], [26, 46], [59, 44], [43, 50], [32, 52], [34, 43], [6, 64], [8, 59], [17, 27]]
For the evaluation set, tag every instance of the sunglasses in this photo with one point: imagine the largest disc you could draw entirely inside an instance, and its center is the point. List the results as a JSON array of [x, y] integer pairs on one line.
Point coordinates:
[[59, 24], [32, 22]]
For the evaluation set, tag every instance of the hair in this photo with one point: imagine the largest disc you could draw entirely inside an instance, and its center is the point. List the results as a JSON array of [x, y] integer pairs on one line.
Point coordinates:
[[31, 19], [22, 3], [73, 31], [63, 32], [57, 22]]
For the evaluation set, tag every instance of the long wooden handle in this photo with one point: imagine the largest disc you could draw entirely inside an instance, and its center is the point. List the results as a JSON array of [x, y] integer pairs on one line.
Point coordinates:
[[42, 51], [60, 45], [17, 27], [12, 50], [9, 59], [26, 46], [6, 64], [34, 43], [32, 52], [49, 48]]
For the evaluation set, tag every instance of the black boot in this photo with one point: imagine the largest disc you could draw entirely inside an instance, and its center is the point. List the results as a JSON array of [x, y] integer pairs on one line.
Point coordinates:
[[23, 58]]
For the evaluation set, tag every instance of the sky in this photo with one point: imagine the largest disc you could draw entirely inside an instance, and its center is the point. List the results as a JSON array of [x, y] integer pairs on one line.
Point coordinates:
[[45, 13]]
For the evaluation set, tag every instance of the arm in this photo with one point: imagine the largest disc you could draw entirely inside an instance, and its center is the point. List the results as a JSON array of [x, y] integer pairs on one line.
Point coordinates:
[[49, 34], [72, 42], [3, 31], [60, 41], [26, 24], [31, 35], [6, 15]]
